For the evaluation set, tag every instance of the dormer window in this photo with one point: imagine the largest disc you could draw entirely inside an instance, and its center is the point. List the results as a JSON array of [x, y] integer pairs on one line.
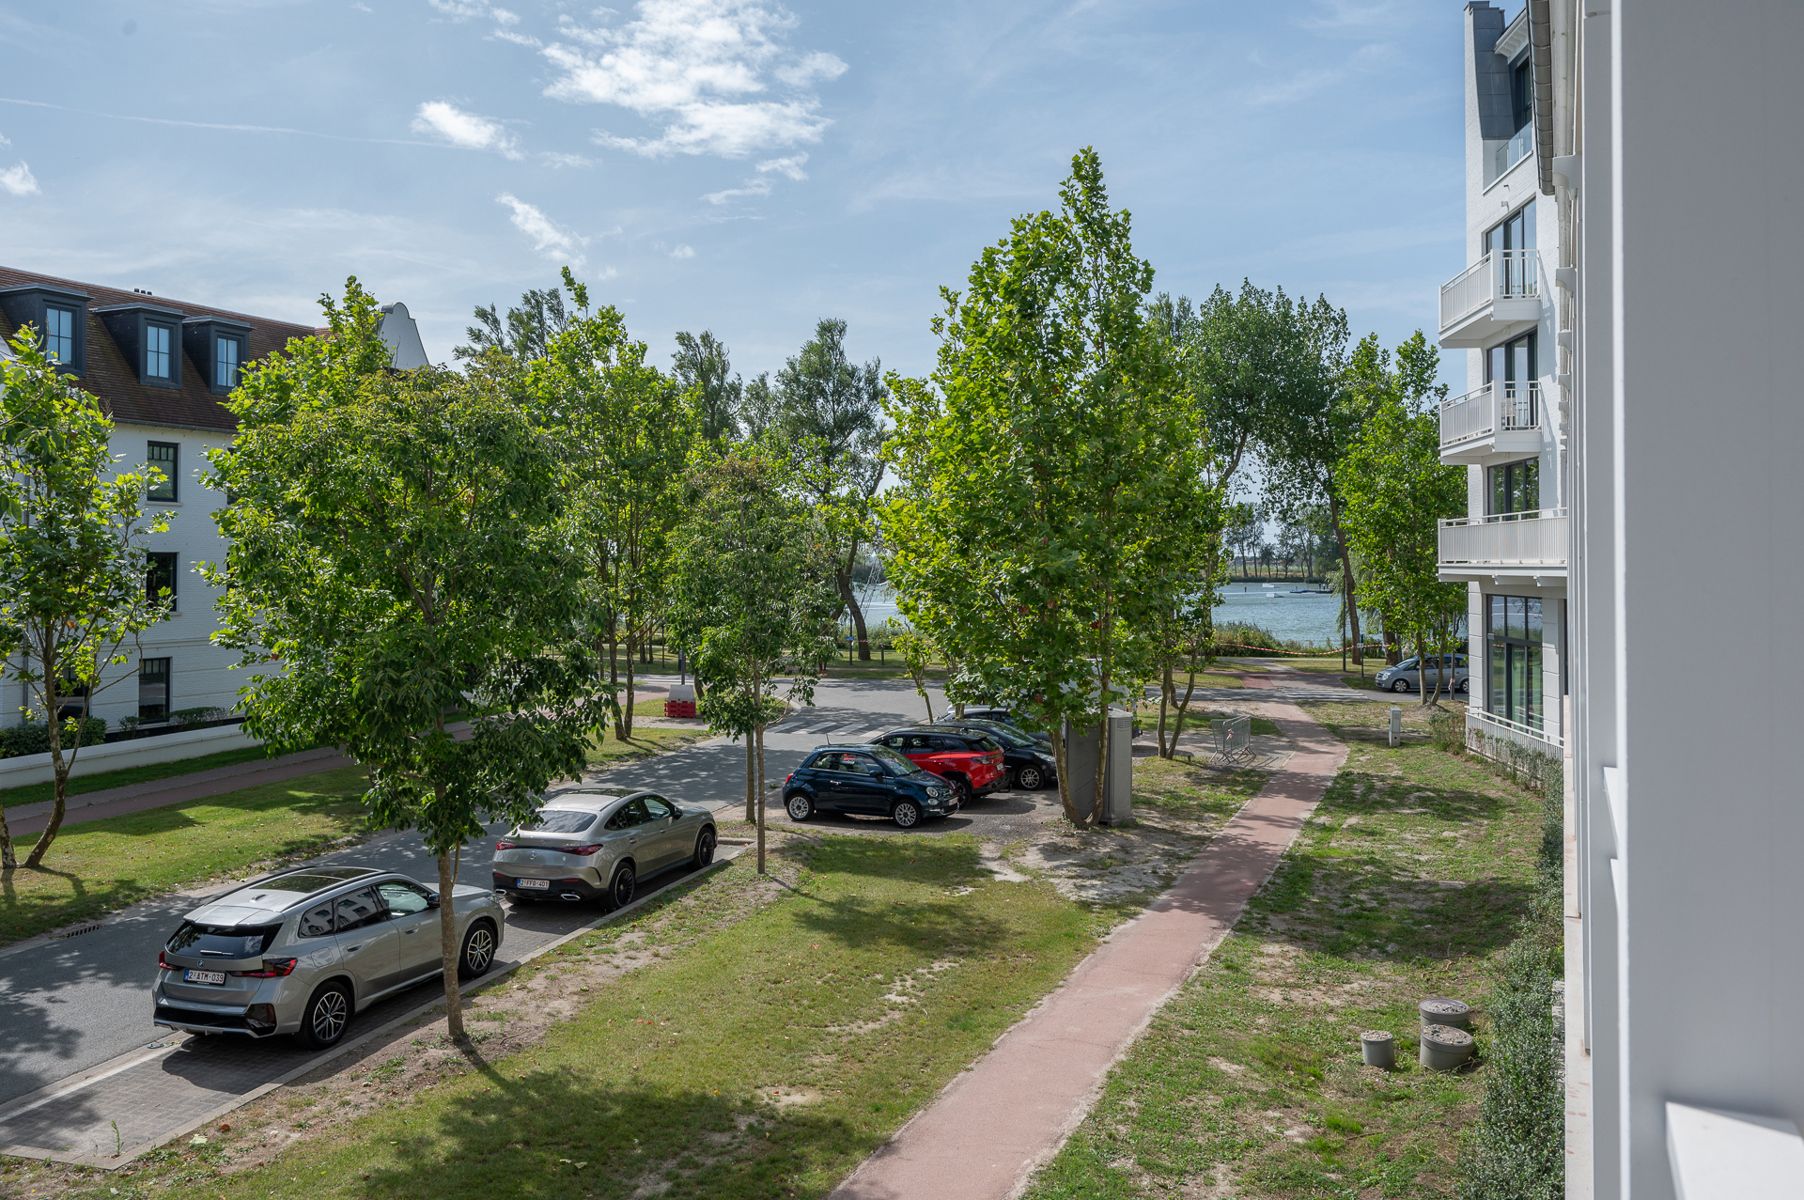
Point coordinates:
[[228, 354], [59, 334], [158, 358]]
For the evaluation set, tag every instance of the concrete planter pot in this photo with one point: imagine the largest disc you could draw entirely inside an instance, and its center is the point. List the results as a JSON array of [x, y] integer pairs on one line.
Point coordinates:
[[1445, 1048], [1379, 1048], [1438, 1010]]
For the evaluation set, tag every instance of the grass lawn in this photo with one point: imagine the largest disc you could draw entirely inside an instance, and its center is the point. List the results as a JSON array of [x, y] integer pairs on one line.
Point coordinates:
[[1407, 883], [41, 793], [103, 865], [646, 741]]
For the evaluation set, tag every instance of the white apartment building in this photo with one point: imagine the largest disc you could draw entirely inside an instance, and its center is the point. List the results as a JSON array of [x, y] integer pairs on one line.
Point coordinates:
[[1509, 426], [161, 368], [1668, 159]]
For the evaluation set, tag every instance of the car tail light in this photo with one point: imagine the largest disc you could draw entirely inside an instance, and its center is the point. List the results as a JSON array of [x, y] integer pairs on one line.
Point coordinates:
[[272, 968], [163, 963], [789, 777], [581, 850], [504, 844]]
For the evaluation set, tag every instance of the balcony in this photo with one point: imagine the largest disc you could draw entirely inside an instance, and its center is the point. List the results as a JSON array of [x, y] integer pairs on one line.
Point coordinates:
[[1496, 297], [1494, 423], [1528, 547], [1484, 730]]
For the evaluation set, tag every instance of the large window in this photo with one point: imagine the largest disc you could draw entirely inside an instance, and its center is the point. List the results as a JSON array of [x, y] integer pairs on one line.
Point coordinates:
[[153, 689], [1522, 93], [1515, 232], [158, 364], [163, 456], [1513, 642], [1511, 368], [227, 352], [1516, 487], [159, 580], [59, 334]]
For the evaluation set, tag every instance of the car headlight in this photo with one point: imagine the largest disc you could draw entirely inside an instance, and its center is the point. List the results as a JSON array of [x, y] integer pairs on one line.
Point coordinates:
[[936, 792]]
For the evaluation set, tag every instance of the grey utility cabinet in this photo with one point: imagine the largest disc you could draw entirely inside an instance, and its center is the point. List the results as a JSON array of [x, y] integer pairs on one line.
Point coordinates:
[[1081, 746]]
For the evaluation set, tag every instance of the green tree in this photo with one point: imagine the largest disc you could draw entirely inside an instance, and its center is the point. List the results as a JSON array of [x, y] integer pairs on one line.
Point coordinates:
[[395, 561], [703, 368], [73, 590], [828, 414], [916, 649], [524, 334], [753, 600], [1049, 471], [624, 431], [1394, 491], [757, 408], [1245, 528]]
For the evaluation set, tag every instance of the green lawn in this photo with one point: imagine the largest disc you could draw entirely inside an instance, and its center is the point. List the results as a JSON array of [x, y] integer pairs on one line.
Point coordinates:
[[41, 793], [1407, 883], [103, 865], [646, 741]]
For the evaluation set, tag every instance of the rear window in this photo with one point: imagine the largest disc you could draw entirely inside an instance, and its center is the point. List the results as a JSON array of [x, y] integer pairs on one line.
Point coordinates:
[[559, 820], [223, 941], [1008, 737]]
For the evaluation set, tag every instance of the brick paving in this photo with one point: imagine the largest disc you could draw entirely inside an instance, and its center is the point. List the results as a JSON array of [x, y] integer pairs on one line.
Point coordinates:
[[998, 1121]]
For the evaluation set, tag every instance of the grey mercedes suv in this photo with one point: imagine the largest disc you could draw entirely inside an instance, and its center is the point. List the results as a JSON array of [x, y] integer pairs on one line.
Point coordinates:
[[301, 951]]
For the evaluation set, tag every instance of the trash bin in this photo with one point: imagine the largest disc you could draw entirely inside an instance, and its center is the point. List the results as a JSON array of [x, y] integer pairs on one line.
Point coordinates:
[[1118, 779]]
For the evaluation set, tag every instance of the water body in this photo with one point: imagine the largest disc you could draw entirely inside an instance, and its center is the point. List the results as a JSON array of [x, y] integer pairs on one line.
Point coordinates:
[[1308, 617]]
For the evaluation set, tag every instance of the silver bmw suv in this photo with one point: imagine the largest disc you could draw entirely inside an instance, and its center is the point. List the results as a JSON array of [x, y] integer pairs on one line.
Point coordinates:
[[301, 951]]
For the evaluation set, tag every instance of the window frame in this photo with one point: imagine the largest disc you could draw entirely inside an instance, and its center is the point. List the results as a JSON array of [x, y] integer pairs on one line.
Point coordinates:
[[1515, 478], [1510, 653], [166, 666], [170, 376], [50, 338], [237, 342], [152, 491], [172, 561]]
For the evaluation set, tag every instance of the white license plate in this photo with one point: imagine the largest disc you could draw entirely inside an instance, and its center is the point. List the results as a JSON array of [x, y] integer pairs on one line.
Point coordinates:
[[203, 976], [533, 885]]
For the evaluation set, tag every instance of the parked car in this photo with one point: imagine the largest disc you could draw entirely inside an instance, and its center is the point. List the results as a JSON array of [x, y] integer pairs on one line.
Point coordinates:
[[590, 846], [1031, 765], [865, 779], [1004, 716], [303, 951], [971, 762], [1406, 676]]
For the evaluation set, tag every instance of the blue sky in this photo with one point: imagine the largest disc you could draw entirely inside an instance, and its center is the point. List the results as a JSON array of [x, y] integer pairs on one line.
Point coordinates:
[[740, 165]]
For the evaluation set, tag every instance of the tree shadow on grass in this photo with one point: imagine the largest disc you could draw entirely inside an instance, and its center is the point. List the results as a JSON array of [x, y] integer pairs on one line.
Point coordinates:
[[556, 1133]]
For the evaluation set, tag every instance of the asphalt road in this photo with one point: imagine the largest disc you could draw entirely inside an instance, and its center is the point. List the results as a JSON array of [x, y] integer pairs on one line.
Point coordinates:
[[68, 1005]]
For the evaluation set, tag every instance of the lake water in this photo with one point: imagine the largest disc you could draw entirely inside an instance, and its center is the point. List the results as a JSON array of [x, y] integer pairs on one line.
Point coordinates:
[[1308, 617]]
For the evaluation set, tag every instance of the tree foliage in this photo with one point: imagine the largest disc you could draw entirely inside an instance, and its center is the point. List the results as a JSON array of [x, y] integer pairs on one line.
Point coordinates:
[[523, 334], [1052, 472], [395, 550], [73, 590], [703, 368]]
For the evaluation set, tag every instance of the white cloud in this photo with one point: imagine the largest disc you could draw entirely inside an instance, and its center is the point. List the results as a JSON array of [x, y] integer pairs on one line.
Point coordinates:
[[444, 119], [755, 186], [18, 180], [713, 76], [559, 160], [685, 250], [548, 237], [789, 166], [470, 10]]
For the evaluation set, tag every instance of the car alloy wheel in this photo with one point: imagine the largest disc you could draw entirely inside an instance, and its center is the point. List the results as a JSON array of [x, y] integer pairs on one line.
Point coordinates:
[[704, 848], [479, 950], [800, 807], [622, 889], [328, 1013], [1029, 779], [907, 814], [1401, 685], [961, 789]]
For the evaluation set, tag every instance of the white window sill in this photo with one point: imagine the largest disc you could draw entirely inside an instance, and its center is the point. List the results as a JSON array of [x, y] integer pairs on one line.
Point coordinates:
[[1732, 1156]]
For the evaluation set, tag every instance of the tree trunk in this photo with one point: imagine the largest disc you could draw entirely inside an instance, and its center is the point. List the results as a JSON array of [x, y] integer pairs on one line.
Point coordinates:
[[448, 947], [59, 782], [1349, 583], [9, 858], [1167, 693], [850, 600], [751, 778], [614, 669], [626, 710], [759, 733]]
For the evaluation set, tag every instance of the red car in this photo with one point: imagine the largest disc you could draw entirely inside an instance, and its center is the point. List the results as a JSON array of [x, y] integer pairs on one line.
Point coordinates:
[[969, 761]]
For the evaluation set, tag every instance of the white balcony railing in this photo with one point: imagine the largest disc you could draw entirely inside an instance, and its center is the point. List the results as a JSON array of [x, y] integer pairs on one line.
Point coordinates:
[[1499, 275], [1507, 407], [1508, 540], [1482, 722]]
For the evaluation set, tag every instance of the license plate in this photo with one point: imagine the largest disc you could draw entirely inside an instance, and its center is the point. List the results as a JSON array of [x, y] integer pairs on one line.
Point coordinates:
[[203, 976], [533, 885]]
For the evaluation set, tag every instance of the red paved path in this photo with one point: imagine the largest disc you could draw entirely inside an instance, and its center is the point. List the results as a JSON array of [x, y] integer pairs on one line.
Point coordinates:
[[1008, 1113]]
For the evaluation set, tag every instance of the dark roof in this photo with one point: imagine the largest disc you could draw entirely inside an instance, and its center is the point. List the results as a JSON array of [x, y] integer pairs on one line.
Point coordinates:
[[113, 378]]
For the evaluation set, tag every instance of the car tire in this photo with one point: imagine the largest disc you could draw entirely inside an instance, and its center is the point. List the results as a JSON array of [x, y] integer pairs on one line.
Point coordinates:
[[1464, 687], [1030, 779], [623, 886], [961, 789], [478, 952], [704, 848], [1400, 685], [326, 1017], [906, 814], [799, 806]]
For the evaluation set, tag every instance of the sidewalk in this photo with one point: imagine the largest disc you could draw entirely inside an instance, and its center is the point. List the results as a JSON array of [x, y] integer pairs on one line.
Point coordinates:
[[1007, 1114]]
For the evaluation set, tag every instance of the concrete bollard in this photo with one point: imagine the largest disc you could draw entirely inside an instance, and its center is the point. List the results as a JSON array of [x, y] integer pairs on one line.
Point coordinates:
[[1444, 1048], [1379, 1048], [1438, 1010], [1396, 724]]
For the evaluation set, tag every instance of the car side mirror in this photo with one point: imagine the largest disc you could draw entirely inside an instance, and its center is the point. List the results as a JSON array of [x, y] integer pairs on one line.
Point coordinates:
[[432, 902]]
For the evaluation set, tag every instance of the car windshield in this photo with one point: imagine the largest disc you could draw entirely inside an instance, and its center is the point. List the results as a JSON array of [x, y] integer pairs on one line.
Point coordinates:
[[559, 820], [895, 762], [222, 941], [1007, 736]]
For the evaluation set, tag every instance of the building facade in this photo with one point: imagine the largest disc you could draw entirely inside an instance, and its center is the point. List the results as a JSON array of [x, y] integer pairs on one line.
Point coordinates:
[[161, 368], [1508, 428], [1668, 158]]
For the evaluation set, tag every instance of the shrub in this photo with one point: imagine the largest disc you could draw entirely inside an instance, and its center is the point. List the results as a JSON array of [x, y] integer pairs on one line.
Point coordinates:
[[1447, 729], [187, 717], [1517, 1151], [1246, 639], [33, 738]]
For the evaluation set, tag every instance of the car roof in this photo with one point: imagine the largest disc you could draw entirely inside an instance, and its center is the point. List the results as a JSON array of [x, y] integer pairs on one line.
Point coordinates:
[[267, 898], [845, 747]]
